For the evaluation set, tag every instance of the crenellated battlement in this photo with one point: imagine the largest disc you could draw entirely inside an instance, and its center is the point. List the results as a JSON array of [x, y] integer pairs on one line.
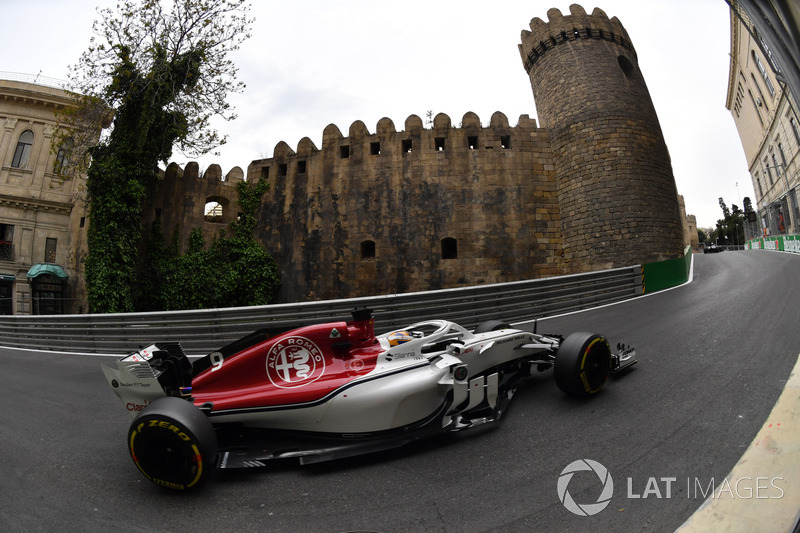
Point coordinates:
[[560, 29], [212, 174], [413, 126], [182, 194]]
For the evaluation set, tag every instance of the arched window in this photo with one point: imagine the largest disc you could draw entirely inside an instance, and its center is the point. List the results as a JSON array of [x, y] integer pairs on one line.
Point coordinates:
[[214, 210], [63, 155], [23, 151], [449, 248], [367, 249]]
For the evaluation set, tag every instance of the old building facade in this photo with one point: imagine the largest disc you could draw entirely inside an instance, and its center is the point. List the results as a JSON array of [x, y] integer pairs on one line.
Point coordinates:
[[767, 119], [42, 212]]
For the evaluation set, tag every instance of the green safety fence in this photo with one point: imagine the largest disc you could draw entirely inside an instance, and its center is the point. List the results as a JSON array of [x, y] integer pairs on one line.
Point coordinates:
[[780, 243], [662, 275]]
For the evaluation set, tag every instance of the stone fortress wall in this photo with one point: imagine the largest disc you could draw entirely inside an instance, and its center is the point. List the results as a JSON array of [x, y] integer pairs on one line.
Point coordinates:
[[449, 205]]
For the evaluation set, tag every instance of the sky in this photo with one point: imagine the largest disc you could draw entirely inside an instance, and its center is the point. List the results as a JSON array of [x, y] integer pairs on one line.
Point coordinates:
[[311, 63]]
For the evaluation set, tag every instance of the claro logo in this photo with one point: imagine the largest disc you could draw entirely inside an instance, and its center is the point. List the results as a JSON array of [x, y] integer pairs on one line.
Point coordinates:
[[136, 407]]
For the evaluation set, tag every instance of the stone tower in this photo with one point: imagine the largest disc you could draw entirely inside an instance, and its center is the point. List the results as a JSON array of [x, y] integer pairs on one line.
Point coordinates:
[[616, 191]]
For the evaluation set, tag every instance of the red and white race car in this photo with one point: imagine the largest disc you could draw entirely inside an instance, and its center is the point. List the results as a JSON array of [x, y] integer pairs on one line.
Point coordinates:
[[333, 390]]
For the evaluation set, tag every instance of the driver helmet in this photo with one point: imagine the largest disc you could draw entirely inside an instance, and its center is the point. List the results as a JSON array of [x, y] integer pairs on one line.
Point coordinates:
[[399, 337]]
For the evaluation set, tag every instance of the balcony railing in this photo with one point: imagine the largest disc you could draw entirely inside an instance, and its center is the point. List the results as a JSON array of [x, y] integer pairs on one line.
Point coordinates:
[[6, 251]]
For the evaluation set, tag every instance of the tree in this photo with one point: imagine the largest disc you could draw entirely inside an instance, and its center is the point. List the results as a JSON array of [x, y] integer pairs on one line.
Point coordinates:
[[730, 229], [164, 74]]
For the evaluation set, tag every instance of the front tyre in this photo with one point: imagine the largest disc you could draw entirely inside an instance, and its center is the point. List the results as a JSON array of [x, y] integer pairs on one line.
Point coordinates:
[[583, 363], [173, 444]]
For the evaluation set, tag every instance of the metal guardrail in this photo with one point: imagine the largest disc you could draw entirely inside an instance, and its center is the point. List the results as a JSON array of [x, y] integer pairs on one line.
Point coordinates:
[[203, 331]]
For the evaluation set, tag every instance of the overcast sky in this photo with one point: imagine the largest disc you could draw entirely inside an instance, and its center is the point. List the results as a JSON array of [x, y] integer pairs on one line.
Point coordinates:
[[311, 63]]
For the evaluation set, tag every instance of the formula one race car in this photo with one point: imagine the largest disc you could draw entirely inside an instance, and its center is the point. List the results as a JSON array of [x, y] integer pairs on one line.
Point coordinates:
[[334, 390]]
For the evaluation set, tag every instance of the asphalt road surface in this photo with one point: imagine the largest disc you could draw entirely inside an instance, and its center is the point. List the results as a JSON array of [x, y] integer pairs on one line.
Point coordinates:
[[714, 356]]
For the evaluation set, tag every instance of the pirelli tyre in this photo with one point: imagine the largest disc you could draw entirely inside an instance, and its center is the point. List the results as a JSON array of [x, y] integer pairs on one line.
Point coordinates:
[[173, 444], [583, 363]]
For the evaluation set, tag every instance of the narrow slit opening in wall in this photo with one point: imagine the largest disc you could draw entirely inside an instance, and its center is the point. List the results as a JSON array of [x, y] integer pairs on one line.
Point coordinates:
[[375, 148], [407, 145], [282, 168], [344, 151], [367, 249], [472, 142], [439, 141], [301, 167], [265, 172], [449, 248], [626, 66]]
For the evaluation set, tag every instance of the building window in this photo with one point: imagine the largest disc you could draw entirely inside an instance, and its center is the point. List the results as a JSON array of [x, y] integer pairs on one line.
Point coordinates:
[[367, 249], [776, 166], [769, 171], [764, 74], [472, 142], [783, 156], [755, 105], [375, 148], [50, 250], [760, 188], [63, 155], [795, 129], [505, 142], [301, 167], [407, 145], [760, 100], [265, 173], [737, 105], [6, 242], [439, 143], [282, 168], [23, 151], [449, 248], [344, 151]]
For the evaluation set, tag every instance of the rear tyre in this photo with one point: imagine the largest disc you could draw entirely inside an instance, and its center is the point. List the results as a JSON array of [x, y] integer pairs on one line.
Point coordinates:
[[583, 363], [491, 325], [173, 443]]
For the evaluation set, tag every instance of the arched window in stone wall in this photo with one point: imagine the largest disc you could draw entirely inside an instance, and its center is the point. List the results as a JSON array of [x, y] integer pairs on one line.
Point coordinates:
[[23, 151], [215, 209], [449, 248], [367, 249]]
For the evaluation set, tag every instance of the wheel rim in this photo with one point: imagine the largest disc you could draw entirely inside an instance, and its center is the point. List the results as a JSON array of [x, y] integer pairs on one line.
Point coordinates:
[[595, 365], [166, 459]]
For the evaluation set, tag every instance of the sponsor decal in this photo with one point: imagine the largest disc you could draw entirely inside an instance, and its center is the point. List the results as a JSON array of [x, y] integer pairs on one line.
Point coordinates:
[[294, 362], [335, 334], [355, 365], [136, 407]]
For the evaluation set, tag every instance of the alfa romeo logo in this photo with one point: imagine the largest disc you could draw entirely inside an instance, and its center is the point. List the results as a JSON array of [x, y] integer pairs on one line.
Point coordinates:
[[585, 509], [294, 362]]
